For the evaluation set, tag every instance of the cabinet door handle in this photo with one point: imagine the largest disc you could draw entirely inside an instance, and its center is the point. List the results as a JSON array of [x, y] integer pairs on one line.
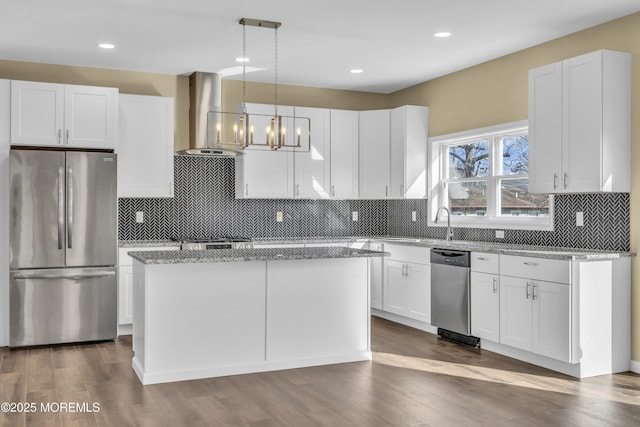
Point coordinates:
[[555, 181], [297, 190], [533, 292], [171, 188], [531, 264], [67, 136], [495, 287], [333, 191], [59, 136], [246, 189], [565, 180], [401, 190], [386, 191], [527, 290], [402, 270]]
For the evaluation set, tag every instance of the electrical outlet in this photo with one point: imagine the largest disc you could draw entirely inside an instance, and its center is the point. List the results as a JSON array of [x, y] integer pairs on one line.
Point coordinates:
[[354, 215], [499, 234], [139, 217], [414, 216], [279, 216], [579, 219]]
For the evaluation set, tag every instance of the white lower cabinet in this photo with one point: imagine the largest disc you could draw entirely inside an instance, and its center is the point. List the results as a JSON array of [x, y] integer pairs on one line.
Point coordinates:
[[376, 275], [407, 284], [485, 296], [535, 314], [125, 281], [485, 306]]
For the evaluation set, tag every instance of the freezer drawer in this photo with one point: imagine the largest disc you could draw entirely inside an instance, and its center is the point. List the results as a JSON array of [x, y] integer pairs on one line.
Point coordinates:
[[51, 306]]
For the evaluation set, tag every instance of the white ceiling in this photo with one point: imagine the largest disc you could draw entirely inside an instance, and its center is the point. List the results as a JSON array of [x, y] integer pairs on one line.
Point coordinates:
[[319, 41]]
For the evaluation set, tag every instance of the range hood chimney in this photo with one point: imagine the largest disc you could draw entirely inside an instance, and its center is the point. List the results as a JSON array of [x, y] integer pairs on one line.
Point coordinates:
[[205, 96]]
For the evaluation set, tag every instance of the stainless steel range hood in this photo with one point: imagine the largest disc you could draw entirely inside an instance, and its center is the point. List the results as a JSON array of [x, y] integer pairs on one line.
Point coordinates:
[[205, 100]]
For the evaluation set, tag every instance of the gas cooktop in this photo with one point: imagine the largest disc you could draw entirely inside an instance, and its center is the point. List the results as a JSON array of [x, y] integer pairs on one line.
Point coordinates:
[[215, 242]]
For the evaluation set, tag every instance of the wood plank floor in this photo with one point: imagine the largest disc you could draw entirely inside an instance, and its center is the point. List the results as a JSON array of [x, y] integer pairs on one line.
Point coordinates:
[[415, 379]]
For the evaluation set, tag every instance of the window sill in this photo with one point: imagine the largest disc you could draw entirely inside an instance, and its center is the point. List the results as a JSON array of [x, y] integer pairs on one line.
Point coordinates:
[[517, 223]]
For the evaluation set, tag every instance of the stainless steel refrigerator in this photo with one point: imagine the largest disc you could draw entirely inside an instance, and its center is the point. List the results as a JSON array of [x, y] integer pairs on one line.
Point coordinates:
[[63, 249]]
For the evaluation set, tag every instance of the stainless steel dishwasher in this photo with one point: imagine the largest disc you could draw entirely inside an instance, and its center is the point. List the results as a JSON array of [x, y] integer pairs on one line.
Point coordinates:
[[450, 300]]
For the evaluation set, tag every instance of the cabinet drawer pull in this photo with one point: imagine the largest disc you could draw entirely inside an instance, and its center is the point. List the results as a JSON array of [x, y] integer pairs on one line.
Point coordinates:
[[531, 264], [480, 258]]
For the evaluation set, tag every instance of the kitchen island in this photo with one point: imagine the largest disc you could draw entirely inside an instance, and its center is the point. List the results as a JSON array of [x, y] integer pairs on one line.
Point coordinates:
[[200, 314]]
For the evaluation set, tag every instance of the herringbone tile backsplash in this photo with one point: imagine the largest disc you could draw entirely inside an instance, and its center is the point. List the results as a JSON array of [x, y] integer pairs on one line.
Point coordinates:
[[205, 205]]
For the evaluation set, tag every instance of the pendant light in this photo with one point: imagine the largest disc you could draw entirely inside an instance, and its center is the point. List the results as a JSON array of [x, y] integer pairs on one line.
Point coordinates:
[[244, 133]]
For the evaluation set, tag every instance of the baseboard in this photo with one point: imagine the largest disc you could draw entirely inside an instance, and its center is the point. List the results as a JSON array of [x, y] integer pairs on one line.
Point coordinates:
[[125, 329], [404, 321], [635, 366]]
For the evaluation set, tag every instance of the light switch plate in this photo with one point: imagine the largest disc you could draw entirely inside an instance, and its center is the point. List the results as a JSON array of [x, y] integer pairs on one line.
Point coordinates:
[[139, 217], [579, 219], [499, 234], [354, 215], [279, 216], [414, 216]]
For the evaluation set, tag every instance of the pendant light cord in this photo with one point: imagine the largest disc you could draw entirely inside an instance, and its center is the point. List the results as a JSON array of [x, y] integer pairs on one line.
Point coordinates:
[[276, 69], [244, 68]]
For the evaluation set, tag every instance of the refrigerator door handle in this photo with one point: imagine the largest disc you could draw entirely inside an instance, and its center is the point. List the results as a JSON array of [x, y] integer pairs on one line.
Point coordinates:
[[60, 207], [62, 275], [69, 208]]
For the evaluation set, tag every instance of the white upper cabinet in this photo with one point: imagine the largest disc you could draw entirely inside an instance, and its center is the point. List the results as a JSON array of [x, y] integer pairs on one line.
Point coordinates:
[[262, 172], [312, 167], [344, 154], [145, 146], [408, 159], [374, 150], [580, 124], [374, 154], [50, 114]]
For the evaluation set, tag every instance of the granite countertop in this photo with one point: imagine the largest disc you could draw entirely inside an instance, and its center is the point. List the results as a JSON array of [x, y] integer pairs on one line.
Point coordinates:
[[490, 247], [508, 249], [146, 243], [234, 255]]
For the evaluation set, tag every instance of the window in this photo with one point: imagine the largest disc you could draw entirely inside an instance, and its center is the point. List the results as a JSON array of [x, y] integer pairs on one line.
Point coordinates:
[[482, 177]]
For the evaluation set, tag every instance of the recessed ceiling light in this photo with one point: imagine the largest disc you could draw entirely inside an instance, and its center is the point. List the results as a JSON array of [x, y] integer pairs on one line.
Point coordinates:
[[106, 45], [442, 34], [356, 71], [242, 59]]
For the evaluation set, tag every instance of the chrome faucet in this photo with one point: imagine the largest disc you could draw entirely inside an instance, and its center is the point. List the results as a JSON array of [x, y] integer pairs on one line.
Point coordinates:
[[449, 229]]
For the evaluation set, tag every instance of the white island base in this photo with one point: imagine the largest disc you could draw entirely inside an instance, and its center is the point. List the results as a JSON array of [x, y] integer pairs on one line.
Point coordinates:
[[200, 320]]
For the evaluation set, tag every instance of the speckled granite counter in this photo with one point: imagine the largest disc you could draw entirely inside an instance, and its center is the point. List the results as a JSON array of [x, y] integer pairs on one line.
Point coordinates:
[[491, 247], [146, 243], [236, 255]]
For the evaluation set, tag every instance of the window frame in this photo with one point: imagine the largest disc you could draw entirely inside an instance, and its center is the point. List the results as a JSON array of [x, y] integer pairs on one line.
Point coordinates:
[[438, 156]]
